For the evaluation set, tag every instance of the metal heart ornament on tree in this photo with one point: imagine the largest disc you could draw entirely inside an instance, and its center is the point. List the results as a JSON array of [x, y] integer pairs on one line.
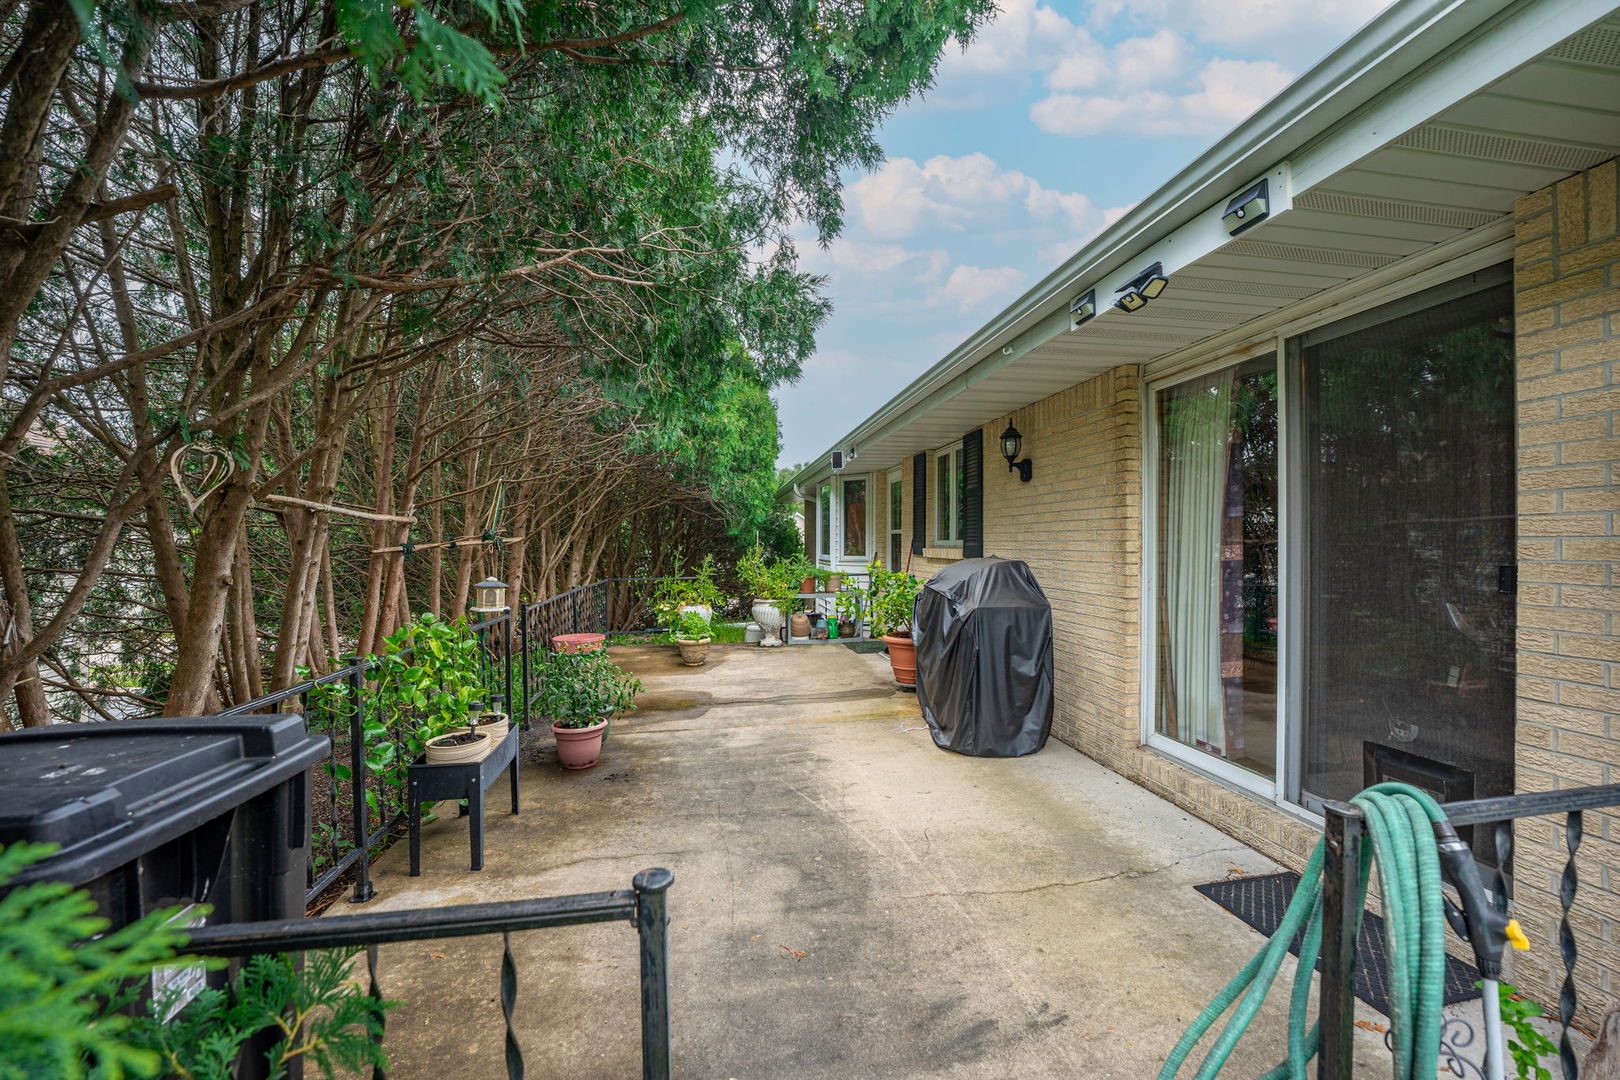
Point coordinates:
[[199, 469]]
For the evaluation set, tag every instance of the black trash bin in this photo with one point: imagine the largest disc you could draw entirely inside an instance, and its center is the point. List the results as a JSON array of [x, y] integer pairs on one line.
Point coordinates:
[[983, 630], [149, 814]]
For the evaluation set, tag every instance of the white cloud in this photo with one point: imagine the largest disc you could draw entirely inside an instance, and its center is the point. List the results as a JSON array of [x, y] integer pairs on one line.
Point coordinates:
[[1223, 93], [1292, 33], [970, 286], [957, 194]]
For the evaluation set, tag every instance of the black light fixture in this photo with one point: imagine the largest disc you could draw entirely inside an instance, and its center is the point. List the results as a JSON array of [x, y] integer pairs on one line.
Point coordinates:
[[1083, 309], [1247, 208], [1143, 287], [1011, 443]]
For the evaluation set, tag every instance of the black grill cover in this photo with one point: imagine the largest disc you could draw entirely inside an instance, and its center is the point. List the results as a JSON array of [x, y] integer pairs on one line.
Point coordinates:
[[983, 630]]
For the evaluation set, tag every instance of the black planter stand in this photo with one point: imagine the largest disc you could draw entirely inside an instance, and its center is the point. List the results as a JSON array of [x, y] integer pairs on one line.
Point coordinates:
[[468, 780]]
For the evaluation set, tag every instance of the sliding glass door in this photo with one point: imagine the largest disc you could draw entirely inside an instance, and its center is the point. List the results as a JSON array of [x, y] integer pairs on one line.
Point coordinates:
[[1332, 565]]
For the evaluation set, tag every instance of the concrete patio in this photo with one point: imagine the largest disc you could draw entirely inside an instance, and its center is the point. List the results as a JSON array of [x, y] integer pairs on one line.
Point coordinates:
[[849, 901]]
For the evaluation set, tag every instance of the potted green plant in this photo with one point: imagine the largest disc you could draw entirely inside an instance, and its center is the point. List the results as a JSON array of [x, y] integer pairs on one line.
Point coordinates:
[[429, 675], [692, 635], [891, 597], [851, 605], [581, 692], [697, 593]]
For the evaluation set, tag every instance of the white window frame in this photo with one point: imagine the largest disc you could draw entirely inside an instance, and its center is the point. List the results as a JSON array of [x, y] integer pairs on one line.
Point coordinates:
[[1228, 773], [826, 521], [871, 517], [895, 477], [947, 508]]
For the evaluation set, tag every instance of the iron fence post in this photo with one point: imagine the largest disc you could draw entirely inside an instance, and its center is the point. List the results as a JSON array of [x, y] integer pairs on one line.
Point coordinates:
[[652, 921], [363, 889], [1341, 918], [523, 662], [573, 605], [506, 652]]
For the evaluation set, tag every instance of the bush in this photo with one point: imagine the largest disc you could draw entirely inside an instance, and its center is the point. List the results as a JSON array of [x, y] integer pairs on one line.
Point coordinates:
[[579, 688], [890, 597], [691, 626]]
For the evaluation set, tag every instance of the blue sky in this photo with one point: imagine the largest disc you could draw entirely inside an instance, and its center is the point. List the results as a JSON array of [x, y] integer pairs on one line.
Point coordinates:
[[1048, 127]]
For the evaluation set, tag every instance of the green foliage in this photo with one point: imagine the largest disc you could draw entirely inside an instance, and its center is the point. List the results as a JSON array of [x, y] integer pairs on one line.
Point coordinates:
[[1526, 1045], [850, 602], [430, 671], [59, 980], [699, 590], [579, 688], [890, 597], [324, 1017], [691, 626]]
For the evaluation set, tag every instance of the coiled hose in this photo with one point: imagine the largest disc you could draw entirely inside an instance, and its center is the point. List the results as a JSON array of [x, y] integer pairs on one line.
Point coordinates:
[[1400, 824]]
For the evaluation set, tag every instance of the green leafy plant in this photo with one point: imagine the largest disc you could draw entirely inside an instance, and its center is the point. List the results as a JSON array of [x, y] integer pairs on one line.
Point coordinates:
[[323, 1017], [851, 602], [700, 590], [691, 626], [61, 983], [1526, 1045], [430, 672], [890, 596], [577, 689]]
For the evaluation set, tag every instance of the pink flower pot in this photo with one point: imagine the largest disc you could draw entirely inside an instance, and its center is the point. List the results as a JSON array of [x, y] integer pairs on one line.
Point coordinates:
[[578, 748]]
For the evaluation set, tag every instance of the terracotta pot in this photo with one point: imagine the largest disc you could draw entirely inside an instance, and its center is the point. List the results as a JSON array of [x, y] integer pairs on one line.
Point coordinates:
[[835, 583], [847, 628], [693, 653], [799, 625], [439, 754], [807, 585], [903, 658], [578, 748], [578, 643]]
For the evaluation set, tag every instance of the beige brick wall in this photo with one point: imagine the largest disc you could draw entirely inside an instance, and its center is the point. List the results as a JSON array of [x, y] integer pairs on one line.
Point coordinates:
[[1567, 278]]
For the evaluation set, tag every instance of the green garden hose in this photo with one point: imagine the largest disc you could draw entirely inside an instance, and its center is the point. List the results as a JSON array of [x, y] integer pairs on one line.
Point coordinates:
[[1400, 823]]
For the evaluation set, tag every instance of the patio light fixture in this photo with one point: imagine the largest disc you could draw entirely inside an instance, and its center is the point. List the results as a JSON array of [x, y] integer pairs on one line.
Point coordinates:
[[1248, 208], [491, 596], [1011, 443], [1083, 309], [1143, 287]]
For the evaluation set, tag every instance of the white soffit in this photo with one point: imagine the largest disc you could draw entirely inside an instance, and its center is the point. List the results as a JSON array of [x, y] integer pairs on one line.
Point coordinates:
[[1420, 183]]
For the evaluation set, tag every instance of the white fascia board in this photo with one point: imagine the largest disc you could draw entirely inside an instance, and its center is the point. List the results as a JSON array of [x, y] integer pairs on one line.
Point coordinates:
[[1381, 65]]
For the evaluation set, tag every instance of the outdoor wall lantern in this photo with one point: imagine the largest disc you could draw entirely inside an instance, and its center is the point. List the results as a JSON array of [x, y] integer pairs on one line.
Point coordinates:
[[1247, 208], [491, 596], [1083, 310], [1143, 287], [1011, 443]]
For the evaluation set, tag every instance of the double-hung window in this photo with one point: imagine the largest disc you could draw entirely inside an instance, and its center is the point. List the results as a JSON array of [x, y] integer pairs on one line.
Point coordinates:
[[949, 490]]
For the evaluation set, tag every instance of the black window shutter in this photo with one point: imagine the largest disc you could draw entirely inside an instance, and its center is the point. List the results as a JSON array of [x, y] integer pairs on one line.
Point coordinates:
[[973, 494], [919, 503]]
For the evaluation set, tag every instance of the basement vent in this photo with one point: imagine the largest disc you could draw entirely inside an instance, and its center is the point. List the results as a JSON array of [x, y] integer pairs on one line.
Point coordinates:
[[1183, 314], [1261, 249], [1240, 287], [1477, 144], [1394, 210], [1598, 45]]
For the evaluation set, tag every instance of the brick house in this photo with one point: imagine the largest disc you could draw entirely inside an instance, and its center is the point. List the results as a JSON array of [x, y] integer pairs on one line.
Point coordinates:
[[1323, 441]]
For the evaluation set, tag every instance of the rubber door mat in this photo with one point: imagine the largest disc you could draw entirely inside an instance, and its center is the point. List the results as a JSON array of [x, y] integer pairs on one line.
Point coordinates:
[[1261, 901]]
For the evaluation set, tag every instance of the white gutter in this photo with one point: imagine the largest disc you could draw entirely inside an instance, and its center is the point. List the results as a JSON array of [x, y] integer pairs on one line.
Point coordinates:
[[1394, 46]]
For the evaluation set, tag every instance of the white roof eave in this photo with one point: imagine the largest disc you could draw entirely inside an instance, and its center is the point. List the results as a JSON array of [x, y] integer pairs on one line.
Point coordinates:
[[1377, 59]]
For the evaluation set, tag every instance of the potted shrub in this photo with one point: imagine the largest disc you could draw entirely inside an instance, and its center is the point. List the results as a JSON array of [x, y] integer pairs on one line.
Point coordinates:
[[698, 593], [429, 676], [850, 604], [692, 635], [773, 583], [891, 596], [581, 692]]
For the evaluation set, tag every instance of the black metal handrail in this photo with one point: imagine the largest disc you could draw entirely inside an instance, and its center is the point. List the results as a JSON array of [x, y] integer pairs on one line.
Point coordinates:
[[508, 644], [1345, 832], [646, 904]]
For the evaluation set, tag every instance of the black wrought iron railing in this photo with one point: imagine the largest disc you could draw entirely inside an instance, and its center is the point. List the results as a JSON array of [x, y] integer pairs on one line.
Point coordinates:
[[645, 905], [1346, 832], [356, 804]]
